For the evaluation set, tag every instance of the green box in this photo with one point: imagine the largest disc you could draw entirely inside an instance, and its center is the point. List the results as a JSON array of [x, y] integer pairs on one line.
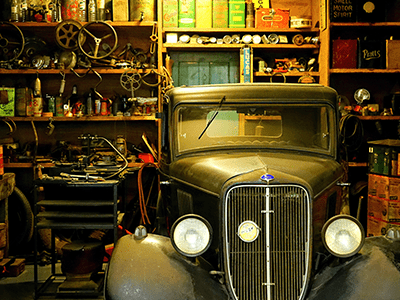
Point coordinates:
[[7, 102], [220, 13], [383, 157], [170, 13], [187, 13], [237, 11]]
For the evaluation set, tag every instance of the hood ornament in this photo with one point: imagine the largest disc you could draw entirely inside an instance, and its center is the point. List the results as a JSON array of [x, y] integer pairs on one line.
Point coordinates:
[[267, 177]]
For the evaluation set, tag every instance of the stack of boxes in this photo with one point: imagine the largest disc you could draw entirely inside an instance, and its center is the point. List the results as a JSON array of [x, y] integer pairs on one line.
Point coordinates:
[[383, 187], [233, 13]]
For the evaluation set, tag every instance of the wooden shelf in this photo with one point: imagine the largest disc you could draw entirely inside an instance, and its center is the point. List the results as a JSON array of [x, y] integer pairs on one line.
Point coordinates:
[[115, 24], [358, 164], [364, 71], [364, 24], [107, 71], [50, 165], [293, 73], [236, 46], [240, 30], [83, 118], [382, 118]]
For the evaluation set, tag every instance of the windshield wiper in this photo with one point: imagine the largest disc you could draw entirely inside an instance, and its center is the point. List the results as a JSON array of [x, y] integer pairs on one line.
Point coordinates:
[[212, 118]]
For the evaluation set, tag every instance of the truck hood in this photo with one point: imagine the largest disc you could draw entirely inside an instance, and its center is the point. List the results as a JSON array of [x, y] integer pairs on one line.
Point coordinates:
[[212, 172]]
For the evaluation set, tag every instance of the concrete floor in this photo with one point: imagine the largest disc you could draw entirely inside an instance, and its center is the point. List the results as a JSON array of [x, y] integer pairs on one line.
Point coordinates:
[[22, 287]]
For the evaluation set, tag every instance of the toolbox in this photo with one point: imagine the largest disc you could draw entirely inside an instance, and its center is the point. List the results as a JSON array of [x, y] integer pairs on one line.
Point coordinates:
[[12, 267]]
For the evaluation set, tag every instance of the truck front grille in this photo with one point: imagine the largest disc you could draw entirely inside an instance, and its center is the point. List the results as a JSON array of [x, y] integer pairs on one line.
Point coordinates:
[[275, 265]]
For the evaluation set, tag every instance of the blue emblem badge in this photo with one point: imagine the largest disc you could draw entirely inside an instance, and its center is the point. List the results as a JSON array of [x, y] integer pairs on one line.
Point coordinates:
[[267, 177]]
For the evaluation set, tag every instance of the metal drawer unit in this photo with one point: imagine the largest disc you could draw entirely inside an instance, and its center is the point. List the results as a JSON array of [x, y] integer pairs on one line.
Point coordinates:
[[69, 204]]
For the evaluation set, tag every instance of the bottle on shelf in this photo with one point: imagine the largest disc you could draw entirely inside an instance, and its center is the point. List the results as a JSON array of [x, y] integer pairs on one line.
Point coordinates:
[[37, 99], [92, 11], [89, 105], [82, 11], [24, 11], [15, 11], [101, 13]]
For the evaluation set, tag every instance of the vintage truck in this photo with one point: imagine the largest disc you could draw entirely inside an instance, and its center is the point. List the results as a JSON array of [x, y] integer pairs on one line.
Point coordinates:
[[252, 191]]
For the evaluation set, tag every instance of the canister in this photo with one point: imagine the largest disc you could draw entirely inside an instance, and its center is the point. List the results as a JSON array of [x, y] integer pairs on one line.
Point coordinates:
[[74, 9]]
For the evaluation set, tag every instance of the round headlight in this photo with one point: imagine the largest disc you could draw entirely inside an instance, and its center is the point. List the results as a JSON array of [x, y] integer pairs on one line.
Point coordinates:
[[191, 235], [343, 235]]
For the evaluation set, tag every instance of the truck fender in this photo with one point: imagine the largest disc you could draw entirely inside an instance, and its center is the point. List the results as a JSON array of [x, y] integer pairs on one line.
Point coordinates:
[[150, 268], [372, 274]]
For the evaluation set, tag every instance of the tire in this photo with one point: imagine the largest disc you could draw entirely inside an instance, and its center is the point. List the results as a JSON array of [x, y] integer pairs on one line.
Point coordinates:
[[20, 218]]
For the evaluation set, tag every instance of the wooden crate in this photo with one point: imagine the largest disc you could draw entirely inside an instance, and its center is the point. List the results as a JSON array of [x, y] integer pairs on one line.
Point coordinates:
[[392, 54]]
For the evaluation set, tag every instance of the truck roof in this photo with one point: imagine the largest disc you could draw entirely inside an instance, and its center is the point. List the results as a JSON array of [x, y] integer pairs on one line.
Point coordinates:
[[265, 92]]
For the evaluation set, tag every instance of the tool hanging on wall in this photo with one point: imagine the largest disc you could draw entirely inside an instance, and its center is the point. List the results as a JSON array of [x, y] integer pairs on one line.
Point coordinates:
[[153, 46]]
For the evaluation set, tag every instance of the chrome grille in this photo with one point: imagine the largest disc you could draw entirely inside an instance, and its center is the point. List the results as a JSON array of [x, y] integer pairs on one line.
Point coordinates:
[[275, 265]]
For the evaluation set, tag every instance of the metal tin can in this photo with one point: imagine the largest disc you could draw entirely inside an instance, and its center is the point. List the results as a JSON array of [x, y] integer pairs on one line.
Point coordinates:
[[73, 9], [97, 107]]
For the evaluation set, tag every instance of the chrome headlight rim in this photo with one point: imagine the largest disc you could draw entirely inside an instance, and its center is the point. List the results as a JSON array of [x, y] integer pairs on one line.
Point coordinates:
[[179, 222], [328, 225]]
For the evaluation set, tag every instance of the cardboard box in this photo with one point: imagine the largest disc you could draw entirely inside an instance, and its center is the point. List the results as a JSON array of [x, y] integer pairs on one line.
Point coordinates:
[[272, 18], [371, 54], [186, 13], [298, 8], [22, 97], [237, 14], [261, 4], [120, 10], [377, 227], [7, 102], [220, 13], [377, 207], [378, 185], [137, 7], [384, 187], [203, 13], [170, 13], [13, 268], [392, 54], [386, 210], [383, 156], [344, 54]]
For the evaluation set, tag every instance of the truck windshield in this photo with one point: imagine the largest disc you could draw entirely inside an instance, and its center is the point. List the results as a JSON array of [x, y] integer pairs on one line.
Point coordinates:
[[302, 127]]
